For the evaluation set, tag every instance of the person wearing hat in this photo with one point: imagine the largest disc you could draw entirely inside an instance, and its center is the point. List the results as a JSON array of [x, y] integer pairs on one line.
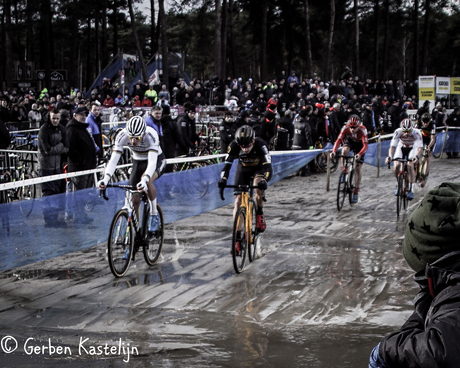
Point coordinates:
[[187, 127], [430, 336], [82, 149], [226, 131]]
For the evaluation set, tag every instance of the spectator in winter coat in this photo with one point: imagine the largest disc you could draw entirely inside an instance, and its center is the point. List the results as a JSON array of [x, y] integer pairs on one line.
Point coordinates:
[[226, 131], [430, 336]]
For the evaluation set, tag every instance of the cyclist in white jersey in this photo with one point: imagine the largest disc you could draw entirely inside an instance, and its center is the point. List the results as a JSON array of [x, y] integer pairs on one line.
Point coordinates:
[[407, 143], [148, 163]]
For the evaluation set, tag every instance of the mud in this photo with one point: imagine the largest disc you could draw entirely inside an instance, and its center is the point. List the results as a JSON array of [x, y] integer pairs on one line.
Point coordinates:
[[327, 287]]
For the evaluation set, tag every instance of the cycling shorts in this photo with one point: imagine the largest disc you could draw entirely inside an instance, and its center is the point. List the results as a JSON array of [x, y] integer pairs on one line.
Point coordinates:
[[405, 152], [355, 146], [245, 175], [427, 141], [139, 167]]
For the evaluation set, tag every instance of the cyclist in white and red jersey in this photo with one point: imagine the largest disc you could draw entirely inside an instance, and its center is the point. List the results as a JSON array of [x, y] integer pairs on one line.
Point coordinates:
[[353, 137], [407, 143], [148, 163]]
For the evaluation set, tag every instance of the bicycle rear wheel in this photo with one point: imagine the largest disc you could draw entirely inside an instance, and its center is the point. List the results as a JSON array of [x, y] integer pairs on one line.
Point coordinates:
[[252, 246], [154, 242], [240, 237], [120, 244], [342, 190], [400, 194], [351, 186]]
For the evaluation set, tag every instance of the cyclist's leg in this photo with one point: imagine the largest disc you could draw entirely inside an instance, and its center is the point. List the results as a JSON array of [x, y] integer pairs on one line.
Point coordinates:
[[345, 152], [411, 169], [398, 166], [242, 177], [260, 175], [136, 175], [357, 147]]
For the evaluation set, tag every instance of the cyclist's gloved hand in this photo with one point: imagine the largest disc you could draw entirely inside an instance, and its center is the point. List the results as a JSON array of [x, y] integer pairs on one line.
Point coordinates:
[[222, 183], [101, 184], [388, 160], [332, 154], [142, 185], [262, 185]]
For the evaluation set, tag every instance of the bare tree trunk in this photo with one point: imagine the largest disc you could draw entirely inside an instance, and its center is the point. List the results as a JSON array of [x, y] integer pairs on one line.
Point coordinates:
[[153, 35], [8, 45], [29, 55], [104, 52], [136, 40], [96, 41], [329, 43], [115, 28], [218, 40], [73, 62], [224, 39], [263, 46], [308, 40], [376, 38], [46, 54], [89, 72], [386, 39], [356, 38], [426, 36], [164, 44], [415, 17], [232, 37]]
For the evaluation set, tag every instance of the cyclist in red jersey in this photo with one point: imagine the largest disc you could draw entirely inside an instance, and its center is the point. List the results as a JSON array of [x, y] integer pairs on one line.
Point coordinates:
[[353, 137]]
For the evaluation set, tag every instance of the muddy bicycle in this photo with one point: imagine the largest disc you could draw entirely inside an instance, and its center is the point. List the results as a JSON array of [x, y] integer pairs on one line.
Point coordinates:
[[245, 235], [128, 233], [346, 180], [403, 185]]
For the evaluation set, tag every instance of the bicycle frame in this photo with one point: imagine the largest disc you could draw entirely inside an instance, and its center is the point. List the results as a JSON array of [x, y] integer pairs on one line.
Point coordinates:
[[403, 181]]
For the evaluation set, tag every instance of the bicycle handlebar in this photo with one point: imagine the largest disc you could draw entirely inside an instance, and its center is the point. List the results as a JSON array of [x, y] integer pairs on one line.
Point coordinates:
[[244, 188], [122, 186]]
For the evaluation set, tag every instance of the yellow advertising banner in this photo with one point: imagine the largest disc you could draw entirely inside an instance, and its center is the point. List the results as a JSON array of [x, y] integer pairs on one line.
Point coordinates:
[[455, 86], [425, 94]]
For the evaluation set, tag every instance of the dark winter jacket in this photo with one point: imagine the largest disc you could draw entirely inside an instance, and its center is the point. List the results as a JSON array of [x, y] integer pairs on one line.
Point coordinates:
[[302, 134], [82, 149], [52, 145], [171, 136], [429, 338]]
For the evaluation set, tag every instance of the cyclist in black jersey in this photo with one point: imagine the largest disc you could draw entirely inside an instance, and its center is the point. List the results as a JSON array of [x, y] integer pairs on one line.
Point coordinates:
[[428, 129], [254, 162]]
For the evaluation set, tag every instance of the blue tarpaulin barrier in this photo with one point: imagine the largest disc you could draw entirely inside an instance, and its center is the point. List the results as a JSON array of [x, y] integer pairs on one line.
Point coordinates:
[[24, 239]]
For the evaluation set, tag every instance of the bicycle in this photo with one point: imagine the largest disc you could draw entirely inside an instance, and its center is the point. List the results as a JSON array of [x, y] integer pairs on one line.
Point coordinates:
[[421, 168], [244, 224], [403, 185], [346, 181], [127, 234], [321, 159]]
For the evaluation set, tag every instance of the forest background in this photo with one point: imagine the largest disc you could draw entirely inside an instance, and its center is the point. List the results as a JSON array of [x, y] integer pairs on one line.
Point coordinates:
[[377, 39]]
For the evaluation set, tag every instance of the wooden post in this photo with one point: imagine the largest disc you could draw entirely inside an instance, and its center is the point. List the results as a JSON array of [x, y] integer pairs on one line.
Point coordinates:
[[379, 146], [328, 165]]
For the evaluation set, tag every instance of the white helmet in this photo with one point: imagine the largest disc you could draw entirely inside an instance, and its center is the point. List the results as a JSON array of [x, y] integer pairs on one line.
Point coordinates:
[[136, 126]]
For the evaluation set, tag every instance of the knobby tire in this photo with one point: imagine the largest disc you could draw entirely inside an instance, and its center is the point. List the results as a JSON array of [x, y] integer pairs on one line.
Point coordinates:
[[121, 237], [252, 246], [153, 244], [342, 190], [239, 234]]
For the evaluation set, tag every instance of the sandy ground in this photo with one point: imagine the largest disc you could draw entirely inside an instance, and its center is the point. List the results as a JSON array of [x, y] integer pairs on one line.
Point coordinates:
[[327, 287]]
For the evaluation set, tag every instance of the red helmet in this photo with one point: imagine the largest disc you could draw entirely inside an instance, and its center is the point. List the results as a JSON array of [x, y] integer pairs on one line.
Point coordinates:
[[406, 125], [353, 121]]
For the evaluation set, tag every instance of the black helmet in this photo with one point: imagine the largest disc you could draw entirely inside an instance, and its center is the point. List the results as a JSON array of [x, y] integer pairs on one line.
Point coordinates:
[[245, 135], [426, 118]]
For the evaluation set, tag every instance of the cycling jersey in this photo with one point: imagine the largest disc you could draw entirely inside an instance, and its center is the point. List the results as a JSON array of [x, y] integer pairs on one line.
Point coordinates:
[[350, 137], [148, 149], [258, 159], [428, 131], [414, 138]]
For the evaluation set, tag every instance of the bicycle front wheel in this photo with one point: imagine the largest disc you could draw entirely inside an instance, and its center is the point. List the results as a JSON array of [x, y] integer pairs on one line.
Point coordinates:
[[342, 190], [406, 190], [400, 194], [252, 246], [120, 244], [154, 242], [240, 240]]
